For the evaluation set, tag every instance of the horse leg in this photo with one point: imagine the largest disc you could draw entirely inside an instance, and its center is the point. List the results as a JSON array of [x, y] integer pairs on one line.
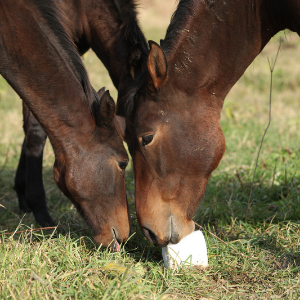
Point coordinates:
[[32, 150], [20, 180]]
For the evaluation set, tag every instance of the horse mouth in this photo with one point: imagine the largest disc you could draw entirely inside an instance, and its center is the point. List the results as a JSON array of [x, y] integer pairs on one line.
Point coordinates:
[[115, 246]]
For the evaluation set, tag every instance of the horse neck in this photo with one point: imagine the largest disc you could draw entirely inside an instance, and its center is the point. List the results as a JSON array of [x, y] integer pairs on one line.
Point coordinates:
[[40, 71], [213, 48], [108, 36]]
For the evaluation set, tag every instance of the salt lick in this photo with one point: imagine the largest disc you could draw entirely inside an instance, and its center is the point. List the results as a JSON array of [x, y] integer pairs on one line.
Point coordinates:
[[190, 251]]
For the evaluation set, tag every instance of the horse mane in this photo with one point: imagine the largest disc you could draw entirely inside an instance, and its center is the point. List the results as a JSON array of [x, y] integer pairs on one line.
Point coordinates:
[[55, 20], [139, 83], [179, 18], [130, 30]]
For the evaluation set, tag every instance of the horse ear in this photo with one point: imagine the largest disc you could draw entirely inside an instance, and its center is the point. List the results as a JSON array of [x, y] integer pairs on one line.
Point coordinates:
[[157, 65], [106, 111], [134, 60], [101, 92]]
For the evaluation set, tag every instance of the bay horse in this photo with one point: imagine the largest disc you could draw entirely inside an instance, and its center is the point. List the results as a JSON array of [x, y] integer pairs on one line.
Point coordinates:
[[40, 62], [175, 105], [111, 30]]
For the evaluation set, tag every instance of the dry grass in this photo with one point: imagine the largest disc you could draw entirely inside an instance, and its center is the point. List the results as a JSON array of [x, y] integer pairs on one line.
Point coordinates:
[[156, 13]]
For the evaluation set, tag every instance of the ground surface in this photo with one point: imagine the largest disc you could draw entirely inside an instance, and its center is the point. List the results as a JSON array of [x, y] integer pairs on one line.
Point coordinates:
[[257, 259]]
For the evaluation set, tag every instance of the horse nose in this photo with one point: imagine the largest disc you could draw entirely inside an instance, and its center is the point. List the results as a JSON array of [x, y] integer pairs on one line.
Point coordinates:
[[155, 238], [162, 239], [112, 237], [175, 238]]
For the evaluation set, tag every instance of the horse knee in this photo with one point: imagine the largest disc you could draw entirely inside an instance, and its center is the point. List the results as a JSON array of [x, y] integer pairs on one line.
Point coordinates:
[[35, 140]]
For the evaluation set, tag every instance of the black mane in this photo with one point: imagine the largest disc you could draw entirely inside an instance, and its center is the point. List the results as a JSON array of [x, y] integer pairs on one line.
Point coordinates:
[[138, 86], [180, 16], [127, 15], [130, 31], [55, 19]]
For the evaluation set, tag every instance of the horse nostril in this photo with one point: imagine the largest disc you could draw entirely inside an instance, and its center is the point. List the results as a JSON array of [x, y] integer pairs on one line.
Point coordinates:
[[150, 235], [123, 164], [175, 238]]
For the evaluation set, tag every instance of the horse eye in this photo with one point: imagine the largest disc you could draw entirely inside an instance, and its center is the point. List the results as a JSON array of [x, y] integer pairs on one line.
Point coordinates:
[[147, 139], [123, 164]]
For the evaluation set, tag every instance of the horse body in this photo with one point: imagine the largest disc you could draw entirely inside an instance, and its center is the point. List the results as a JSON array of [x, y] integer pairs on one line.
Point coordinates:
[[178, 140], [40, 62], [111, 34]]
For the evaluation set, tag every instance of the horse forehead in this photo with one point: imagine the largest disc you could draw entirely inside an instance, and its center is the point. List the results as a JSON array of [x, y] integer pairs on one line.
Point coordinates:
[[148, 112]]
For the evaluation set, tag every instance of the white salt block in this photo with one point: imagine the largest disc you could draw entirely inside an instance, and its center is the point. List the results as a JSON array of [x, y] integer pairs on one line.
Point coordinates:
[[190, 251]]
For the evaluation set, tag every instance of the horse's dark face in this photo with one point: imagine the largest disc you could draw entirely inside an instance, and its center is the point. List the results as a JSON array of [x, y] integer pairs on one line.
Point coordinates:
[[176, 146], [94, 178]]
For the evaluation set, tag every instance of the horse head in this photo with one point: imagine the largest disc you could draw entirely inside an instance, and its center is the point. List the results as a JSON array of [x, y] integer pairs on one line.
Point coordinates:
[[176, 144], [94, 178]]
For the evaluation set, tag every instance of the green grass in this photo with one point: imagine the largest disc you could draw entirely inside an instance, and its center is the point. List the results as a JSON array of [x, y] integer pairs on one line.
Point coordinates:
[[257, 259]]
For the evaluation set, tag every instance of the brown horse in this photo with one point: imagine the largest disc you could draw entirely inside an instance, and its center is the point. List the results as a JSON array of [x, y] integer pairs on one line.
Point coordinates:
[[40, 62], [177, 140], [111, 30]]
